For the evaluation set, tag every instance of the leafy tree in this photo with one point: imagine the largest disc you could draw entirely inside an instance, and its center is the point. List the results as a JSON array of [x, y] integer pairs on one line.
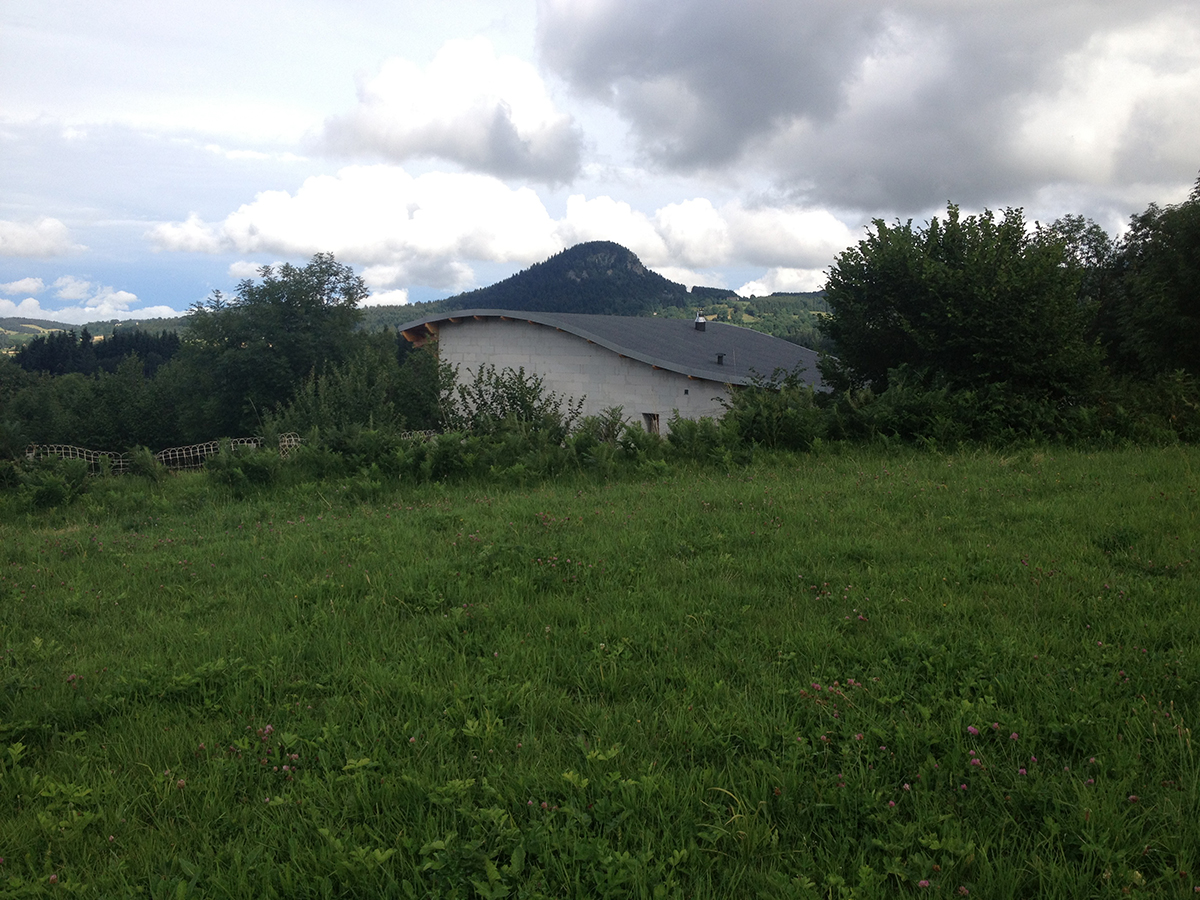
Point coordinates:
[[1151, 321], [382, 385], [249, 353], [964, 302]]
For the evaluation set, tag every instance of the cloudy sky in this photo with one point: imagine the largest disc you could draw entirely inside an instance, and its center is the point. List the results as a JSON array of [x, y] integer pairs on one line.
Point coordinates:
[[152, 152]]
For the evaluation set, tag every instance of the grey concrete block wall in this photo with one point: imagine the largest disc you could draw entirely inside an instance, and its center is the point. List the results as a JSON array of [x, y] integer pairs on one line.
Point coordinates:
[[573, 367]]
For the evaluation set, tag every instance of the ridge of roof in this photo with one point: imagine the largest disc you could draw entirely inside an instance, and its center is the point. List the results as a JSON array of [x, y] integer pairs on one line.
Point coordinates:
[[672, 344]]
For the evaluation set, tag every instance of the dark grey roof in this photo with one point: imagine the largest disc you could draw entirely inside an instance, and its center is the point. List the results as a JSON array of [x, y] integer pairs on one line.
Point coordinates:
[[672, 344]]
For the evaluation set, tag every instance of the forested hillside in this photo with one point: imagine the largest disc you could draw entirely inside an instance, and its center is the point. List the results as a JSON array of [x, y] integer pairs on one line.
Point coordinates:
[[598, 277]]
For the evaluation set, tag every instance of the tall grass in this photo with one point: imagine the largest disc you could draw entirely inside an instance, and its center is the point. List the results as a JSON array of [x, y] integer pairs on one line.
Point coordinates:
[[831, 675]]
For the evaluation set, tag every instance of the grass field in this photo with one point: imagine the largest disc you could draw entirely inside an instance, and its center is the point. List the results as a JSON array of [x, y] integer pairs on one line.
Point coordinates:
[[838, 675]]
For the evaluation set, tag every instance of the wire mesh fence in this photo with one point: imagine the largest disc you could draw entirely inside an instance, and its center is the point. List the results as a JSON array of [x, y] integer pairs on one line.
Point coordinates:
[[177, 459]]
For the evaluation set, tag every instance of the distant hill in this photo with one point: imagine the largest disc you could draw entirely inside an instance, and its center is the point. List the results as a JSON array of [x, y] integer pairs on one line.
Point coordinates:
[[599, 277], [15, 330], [604, 278]]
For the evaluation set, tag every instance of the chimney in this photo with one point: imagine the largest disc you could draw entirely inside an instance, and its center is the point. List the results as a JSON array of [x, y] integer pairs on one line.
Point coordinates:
[[700, 322], [720, 359]]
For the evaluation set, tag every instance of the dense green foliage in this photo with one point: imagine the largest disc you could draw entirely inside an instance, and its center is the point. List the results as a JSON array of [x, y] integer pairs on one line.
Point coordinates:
[[63, 352], [254, 349], [964, 303], [829, 675], [984, 330], [1151, 316]]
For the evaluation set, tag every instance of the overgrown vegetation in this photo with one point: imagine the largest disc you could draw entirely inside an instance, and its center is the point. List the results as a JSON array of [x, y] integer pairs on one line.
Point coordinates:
[[849, 674]]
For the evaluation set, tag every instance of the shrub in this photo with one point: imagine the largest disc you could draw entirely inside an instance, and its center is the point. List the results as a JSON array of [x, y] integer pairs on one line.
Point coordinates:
[[144, 463], [699, 439], [494, 401], [243, 468], [53, 482], [779, 412]]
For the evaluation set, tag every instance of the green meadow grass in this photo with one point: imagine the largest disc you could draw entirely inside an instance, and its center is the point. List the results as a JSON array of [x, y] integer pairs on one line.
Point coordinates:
[[856, 674]]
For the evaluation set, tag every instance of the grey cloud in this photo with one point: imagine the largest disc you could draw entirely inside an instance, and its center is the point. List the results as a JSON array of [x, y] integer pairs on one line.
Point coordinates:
[[483, 139], [863, 104], [700, 78]]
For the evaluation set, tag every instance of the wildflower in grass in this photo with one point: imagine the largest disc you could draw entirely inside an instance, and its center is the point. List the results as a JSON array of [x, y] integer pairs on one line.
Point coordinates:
[[923, 883], [962, 787], [1090, 781], [181, 784], [54, 879], [1133, 798], [858, 737], [972, 730], [995, 726], [1033, 759], [907, 787], [1021, 771], [977, 761], [1014, 736], [891, 803], [963, 891]]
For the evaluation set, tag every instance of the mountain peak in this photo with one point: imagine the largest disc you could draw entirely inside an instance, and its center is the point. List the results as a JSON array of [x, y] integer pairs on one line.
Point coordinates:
[[598, 277]]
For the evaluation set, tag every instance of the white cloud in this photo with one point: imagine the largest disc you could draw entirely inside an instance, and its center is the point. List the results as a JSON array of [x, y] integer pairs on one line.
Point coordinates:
[[428, 229], [387, 298], [23, 286], [423, 227], [695, 232], [690, 278], [487, 113], [694, 235], [786, 235], [44, 237], [27, 308], [68, 287], [190, 236], [606, 219], [244, 268], [91, 303], [780, 279]]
